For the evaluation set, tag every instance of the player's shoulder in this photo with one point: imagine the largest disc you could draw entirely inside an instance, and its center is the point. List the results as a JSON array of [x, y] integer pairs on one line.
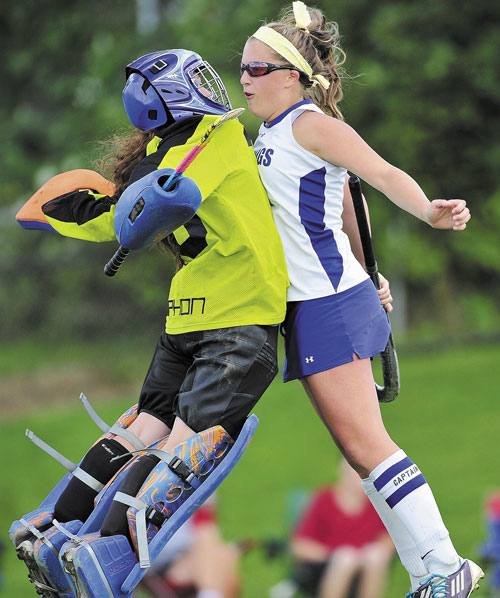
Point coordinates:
[[315, 119], [315, 130]]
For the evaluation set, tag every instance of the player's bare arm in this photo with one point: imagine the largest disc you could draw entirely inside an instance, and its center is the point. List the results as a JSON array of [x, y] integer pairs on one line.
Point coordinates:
[[338, 143]]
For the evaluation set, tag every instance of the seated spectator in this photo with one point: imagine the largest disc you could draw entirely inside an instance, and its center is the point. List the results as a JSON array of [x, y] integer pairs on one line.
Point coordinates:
[[196, 562], [340, 546]]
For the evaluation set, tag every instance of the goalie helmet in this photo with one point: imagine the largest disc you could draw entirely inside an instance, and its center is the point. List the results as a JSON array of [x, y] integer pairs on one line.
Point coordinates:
[[167, 86]]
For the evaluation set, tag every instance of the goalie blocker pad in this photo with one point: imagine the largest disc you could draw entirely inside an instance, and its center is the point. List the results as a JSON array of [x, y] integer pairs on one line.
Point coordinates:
[[31, 216], [146, 212], [107, 567]]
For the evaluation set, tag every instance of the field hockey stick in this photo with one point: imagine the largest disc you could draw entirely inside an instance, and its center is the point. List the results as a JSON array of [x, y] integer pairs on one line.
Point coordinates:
[[112, 267], [389, 359]]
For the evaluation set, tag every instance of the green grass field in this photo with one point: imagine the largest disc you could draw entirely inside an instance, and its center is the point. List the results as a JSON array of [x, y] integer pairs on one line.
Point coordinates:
[[446, 418]]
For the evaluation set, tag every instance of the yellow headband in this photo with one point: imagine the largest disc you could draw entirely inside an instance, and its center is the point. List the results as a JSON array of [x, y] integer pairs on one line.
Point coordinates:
[[284, 48]]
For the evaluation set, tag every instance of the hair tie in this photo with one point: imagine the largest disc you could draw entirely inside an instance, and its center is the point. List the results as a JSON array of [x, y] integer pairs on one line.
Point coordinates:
[[302, 17]]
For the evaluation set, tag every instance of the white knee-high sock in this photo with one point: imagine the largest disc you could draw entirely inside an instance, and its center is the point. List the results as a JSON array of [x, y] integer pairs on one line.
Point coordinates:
[[405, 490], [405, 546]]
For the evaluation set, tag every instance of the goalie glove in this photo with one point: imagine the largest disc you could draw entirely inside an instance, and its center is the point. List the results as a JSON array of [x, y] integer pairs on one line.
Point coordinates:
[[32, 216], [146, 212]]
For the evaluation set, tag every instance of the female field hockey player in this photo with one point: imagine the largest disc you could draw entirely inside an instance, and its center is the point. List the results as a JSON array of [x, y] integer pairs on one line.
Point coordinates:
[[334, 322], [217, 354]]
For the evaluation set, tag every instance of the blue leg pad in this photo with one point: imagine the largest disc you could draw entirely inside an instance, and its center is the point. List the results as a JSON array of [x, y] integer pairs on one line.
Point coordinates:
[[107, 567], [195, 501], [99, 566], [26, 531]]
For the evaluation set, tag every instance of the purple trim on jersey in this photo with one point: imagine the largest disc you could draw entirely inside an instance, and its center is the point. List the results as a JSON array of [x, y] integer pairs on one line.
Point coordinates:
[[312, 215], [415, 483], [392, 472], [283, 114]]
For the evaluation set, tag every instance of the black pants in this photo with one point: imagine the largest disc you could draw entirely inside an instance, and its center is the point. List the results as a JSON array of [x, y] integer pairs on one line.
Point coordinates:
[[211, 377]]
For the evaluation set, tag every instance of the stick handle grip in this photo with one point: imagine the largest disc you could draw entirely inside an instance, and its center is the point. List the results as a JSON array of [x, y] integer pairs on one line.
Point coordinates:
[[112, 267]]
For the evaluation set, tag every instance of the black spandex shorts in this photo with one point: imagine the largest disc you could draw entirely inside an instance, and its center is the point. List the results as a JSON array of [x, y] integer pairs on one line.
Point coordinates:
[[211, 377]]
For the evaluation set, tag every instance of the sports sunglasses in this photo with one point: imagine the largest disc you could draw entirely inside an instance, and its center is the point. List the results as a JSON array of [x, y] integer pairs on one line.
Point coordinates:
[[259, 69]]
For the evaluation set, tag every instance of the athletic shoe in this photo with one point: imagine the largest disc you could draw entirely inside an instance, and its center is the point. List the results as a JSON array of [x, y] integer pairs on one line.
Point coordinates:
[[460, 584]]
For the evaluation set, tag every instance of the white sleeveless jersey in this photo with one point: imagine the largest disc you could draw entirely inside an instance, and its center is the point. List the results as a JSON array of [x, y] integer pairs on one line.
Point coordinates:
[[306, 195]]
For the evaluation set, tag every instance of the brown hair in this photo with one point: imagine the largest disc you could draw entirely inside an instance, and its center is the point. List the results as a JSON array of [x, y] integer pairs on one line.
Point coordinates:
[[121, 154], [320, 46]]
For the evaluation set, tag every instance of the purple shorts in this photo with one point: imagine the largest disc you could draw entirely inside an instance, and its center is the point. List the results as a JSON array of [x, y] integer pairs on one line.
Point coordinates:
[[323, 333]]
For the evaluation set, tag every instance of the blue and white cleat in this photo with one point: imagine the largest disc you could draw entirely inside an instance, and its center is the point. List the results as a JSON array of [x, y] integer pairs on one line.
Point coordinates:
[[460, 584]]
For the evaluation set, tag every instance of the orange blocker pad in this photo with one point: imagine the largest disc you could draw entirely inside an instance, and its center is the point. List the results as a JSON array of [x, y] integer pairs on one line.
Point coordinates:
[[31, 216]]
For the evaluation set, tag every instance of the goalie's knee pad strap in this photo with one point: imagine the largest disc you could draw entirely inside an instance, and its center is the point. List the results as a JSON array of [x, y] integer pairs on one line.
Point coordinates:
[[177, 466], [127, 435], [87, 479]]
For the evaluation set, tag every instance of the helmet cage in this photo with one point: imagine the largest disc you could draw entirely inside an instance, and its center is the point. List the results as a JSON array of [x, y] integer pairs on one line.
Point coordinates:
[[208, 84]]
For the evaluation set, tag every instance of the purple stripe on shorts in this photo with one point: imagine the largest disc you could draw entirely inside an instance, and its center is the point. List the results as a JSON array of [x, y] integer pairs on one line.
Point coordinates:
[[405, 490], [393, 471]]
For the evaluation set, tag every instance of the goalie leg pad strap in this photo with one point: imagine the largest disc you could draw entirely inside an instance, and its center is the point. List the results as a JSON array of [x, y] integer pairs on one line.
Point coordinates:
[[115, 521], [77, 500]]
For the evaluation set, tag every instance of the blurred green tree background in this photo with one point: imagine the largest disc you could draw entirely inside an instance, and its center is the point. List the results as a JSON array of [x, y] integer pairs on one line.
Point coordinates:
[[423, 90]]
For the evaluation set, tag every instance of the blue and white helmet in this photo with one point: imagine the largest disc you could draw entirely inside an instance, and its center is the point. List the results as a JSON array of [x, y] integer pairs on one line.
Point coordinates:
[[167, 86]]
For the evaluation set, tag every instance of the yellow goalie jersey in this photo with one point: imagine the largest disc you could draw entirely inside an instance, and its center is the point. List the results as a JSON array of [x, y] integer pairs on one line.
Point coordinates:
[[234, 272]]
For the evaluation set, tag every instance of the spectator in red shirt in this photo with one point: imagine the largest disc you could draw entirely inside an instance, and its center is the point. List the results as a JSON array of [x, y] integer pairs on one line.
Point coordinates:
[[340, 546]]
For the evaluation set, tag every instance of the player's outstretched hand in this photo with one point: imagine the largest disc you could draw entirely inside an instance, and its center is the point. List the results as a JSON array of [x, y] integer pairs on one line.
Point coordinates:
[[384, 293], [447, 214]]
